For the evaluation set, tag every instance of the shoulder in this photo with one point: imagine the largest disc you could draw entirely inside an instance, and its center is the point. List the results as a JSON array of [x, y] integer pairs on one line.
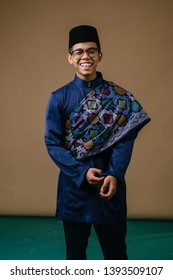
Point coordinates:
[[59, 95], [63, 89]]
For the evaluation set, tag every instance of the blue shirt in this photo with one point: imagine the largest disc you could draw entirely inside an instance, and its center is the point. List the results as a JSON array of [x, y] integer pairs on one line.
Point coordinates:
[[76, 199]]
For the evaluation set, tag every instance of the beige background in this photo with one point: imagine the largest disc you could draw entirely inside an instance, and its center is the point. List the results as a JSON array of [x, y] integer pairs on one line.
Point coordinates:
[[137, 43]]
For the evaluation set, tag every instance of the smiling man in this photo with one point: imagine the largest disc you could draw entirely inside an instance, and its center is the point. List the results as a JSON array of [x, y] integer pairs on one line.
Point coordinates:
[[91, 125], [85, 58]]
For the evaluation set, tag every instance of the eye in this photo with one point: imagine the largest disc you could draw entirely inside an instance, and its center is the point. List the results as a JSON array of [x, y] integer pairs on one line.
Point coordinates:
[[78, 52], [91, 51]]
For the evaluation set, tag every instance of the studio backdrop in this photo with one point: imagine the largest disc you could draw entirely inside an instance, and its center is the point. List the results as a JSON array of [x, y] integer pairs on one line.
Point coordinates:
[[137, 42]]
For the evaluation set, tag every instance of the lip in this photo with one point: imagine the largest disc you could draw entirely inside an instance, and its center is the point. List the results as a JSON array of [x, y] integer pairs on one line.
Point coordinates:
[[86, 64]]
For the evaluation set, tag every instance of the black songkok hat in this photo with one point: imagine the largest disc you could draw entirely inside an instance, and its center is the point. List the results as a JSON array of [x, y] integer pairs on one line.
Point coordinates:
[[82, 34]]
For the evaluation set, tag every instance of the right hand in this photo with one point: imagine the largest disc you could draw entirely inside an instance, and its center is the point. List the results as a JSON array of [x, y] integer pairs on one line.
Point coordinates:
[[92, 176]]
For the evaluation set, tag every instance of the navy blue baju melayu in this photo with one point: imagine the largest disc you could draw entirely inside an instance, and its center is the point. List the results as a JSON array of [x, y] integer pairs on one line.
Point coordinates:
[[77, 200]]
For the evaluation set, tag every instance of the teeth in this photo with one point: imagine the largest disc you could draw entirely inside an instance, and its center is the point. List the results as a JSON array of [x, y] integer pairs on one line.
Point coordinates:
[[86, 64]]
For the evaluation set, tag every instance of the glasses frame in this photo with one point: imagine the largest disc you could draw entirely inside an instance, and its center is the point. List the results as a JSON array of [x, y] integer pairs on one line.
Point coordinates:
[[96, 52]]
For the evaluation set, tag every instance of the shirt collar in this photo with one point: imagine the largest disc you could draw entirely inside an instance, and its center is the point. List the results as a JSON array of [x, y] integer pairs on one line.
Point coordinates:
[[89, 84]]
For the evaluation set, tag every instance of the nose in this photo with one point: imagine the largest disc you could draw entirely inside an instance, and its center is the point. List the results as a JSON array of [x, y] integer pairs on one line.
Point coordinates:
[[85, 54]]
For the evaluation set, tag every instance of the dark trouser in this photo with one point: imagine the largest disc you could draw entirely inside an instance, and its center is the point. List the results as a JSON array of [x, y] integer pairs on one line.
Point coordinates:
[[110, 236]]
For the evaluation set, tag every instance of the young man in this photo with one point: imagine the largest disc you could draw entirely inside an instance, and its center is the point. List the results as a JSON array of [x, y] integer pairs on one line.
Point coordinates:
[[91, 125]]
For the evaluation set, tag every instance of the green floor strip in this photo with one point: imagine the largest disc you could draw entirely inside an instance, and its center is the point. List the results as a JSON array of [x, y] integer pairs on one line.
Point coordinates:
[[35, 238]]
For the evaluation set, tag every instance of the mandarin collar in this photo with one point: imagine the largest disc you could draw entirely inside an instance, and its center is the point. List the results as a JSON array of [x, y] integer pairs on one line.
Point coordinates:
[[89, 84]]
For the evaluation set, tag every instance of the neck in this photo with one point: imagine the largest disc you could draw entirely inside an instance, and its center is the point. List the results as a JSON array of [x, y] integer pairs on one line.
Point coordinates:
[[87, 78]]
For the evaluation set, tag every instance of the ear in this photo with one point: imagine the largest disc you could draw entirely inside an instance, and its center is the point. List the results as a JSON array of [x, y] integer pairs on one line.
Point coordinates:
[[69, 57], [100, 56]]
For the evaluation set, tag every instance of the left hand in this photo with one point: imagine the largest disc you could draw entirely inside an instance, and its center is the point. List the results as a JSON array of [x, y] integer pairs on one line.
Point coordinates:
[[108, 189]]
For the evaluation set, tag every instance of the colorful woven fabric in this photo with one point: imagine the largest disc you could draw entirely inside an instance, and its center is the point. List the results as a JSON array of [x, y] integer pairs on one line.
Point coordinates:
[[102, 118]]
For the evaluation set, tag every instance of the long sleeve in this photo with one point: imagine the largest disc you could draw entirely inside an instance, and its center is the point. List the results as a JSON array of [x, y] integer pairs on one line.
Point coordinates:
[[120, 157], [54, 140]]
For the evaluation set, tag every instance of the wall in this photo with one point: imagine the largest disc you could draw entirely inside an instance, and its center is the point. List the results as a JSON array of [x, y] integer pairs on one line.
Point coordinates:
[[137, 44]]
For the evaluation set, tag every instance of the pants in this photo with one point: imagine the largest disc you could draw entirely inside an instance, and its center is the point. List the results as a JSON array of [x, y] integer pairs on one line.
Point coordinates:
[[111, 238]]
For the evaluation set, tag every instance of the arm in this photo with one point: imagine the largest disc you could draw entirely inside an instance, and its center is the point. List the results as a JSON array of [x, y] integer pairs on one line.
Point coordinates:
[[54, 140], [119, 161], [120, 158]]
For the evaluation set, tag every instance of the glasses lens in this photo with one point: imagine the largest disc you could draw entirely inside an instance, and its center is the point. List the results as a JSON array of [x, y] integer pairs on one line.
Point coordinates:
[[92, 52], [77, 53]]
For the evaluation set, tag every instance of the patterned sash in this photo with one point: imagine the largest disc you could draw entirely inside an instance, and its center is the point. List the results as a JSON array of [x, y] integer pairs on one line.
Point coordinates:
[[101, 119]]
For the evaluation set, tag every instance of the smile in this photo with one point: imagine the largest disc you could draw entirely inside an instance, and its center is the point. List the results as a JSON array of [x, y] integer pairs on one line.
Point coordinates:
[[86, 64]]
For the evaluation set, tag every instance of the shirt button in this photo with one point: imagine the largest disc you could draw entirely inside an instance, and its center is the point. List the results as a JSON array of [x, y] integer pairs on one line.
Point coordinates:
[[89, 84]]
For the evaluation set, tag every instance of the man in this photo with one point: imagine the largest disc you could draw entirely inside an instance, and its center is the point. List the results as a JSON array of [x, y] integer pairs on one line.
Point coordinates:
[[91, 125]]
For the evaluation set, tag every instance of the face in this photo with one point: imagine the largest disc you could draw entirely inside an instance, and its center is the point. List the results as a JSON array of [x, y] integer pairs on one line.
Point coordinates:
[[86, 65]]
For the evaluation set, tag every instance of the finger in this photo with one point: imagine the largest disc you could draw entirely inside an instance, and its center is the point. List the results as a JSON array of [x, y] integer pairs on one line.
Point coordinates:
[[97, 170], [110, 192], [104, 187], [96, 180], [106, 196]]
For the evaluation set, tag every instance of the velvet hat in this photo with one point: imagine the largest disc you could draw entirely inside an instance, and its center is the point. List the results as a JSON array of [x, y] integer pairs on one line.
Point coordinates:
[[82, 34]]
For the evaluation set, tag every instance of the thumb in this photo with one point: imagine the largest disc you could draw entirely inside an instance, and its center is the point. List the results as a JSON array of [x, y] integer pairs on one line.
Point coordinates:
[[96, 170], [104, 186]]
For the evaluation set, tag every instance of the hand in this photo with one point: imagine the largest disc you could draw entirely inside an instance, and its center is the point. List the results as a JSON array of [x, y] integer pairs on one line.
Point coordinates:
[[108, 189], [92, 176]]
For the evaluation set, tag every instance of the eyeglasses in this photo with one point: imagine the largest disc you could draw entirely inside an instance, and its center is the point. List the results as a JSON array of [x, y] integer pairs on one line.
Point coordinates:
[[92, 52]]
